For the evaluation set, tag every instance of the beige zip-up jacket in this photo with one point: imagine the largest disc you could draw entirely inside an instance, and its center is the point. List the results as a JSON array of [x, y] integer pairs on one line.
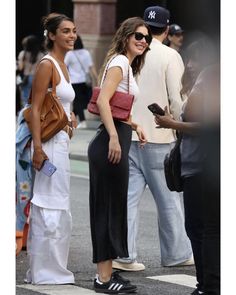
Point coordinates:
[[160, 82]]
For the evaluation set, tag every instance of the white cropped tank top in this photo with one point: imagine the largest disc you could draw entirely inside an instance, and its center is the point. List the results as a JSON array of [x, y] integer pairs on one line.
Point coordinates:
[[64, 89], [122, 61]]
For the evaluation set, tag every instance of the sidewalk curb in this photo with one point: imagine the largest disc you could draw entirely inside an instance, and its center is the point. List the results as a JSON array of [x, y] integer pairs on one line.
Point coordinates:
[[78, 157]]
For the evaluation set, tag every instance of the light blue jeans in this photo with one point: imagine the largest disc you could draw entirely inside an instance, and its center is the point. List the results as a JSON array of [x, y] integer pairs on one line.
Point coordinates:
[[147, 168], [25, 91]]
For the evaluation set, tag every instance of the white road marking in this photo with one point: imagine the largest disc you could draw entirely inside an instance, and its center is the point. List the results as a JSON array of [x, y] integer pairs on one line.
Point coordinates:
[[58, 289], [179, 279], [79, 176], [184, 280]]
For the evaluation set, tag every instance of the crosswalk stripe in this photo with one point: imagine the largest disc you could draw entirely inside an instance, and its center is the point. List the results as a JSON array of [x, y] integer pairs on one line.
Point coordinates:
[[58, 289], [179, 279]]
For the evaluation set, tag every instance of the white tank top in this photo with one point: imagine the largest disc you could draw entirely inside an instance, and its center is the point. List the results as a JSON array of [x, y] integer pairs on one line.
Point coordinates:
[[64, 89], [122, 61]]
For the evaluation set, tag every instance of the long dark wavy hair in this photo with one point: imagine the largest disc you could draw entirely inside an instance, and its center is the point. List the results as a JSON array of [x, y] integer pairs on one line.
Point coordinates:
[[119, 43]]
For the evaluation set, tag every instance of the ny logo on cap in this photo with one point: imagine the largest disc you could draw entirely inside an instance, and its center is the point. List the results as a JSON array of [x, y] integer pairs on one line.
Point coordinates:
[[152, 14]]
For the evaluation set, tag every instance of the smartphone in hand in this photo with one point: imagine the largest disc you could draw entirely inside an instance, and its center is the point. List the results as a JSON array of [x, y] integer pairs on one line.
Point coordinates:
[[156, 109], [48, 168]]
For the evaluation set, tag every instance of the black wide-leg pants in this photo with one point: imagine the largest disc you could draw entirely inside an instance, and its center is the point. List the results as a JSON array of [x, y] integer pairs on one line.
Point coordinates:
[[108, 195]]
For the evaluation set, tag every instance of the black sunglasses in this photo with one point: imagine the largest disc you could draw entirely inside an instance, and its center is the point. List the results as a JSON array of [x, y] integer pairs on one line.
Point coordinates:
[[139, 36]]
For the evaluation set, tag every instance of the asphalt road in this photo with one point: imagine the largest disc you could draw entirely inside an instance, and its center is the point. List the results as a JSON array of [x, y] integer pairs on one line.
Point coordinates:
[[80, 250]]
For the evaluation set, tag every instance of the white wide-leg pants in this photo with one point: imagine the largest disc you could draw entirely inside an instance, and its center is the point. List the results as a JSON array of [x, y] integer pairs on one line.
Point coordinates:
[[48, 246]]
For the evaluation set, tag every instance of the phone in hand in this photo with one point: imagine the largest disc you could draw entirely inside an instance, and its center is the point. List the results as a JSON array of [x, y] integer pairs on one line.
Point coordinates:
[[156, 109], [48, 168]]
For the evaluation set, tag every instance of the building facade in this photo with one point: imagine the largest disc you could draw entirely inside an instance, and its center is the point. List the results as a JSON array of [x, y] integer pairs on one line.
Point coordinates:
[[97, 20]]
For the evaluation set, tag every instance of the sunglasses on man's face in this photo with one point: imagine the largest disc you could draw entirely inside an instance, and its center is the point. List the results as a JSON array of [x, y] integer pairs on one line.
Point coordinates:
[[139, 36]]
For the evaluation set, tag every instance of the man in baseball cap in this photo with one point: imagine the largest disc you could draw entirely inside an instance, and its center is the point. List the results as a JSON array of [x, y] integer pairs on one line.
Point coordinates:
[[159, 82], [175, 37], [157, 16]]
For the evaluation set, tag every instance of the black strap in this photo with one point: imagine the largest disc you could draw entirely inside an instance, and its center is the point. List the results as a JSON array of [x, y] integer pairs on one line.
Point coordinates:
[[179, 136]]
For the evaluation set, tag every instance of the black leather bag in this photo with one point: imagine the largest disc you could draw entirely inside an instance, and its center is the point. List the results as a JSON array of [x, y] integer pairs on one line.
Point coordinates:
[[172, 168]]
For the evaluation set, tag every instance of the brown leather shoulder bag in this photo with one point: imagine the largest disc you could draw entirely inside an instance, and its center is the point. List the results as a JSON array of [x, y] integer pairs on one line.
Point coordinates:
[[53, 117]]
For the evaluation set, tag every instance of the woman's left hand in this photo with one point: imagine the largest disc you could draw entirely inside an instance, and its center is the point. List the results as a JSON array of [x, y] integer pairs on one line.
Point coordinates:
[[73, 120], [165, 121], [141, 136]]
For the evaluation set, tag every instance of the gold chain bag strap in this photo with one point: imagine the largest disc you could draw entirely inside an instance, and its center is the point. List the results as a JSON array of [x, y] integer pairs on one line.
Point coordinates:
[[53, 117], [120, 103]]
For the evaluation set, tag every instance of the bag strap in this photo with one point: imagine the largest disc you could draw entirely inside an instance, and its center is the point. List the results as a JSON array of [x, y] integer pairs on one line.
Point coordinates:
[[80, 62], [179, 136], [53, 75], [106, 70], [53, 80]]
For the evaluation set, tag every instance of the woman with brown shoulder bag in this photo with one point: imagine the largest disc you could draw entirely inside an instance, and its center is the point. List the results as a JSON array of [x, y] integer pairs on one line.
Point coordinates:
[[50, 216]]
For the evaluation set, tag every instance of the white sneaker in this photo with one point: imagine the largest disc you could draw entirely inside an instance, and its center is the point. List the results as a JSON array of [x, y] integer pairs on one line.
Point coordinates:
[[27, 279], [188, 262], [82, 125], [133, 266]]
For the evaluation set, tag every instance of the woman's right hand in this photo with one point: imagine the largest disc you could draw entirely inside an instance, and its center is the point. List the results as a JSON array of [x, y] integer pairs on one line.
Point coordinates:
[[114, 154], [165, 121], [39, 157]]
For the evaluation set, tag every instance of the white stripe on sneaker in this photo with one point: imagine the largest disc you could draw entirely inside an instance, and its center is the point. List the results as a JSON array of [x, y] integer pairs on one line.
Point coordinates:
[[120, 287], [116, 286], [110, 288]]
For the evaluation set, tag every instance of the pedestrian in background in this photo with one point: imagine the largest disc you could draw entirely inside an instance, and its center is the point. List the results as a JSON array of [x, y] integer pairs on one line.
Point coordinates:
[[27, 62], [82, 72], [50, 216], [175, 37], [108, 156], [159, 81]]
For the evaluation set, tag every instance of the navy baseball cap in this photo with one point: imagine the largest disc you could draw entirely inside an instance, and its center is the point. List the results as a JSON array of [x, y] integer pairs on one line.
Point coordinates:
[[175, 29], [157, 16]]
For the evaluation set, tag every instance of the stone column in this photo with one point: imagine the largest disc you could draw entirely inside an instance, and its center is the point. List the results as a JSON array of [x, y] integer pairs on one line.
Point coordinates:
[[95, 21]]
